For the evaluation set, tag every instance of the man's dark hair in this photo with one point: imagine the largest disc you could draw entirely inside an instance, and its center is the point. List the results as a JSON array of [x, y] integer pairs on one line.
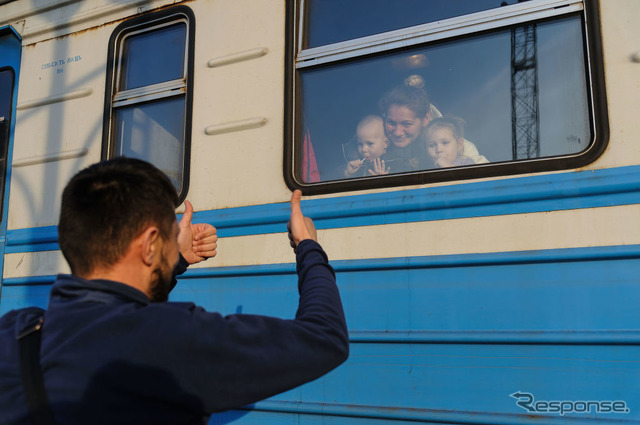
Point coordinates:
[[107, 205]]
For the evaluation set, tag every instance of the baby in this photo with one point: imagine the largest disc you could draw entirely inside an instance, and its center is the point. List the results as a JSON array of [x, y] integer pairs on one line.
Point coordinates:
[[445, 142], [372, 144]]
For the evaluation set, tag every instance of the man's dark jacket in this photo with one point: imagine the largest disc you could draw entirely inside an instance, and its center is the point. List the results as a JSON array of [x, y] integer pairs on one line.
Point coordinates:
[[109, 356]]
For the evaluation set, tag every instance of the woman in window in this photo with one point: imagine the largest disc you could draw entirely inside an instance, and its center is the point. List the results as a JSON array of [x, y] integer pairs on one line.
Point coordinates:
[[407, 111]]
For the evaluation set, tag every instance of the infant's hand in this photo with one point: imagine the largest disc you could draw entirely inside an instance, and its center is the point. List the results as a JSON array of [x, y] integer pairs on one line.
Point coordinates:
[[352, 167], [379, 168]]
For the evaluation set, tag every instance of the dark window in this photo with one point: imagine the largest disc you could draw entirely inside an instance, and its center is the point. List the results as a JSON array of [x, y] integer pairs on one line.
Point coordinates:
[[148, 112], [501, 91], [6, 101], [153, 56], [332, 21]]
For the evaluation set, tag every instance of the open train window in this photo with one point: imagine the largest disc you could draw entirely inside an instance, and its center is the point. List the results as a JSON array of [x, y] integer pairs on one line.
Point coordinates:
[[395, 92], [149, 92]]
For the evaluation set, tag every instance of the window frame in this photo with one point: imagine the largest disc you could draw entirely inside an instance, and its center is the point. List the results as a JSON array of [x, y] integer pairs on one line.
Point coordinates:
[[115, 98], [298, 59], [5, 132]]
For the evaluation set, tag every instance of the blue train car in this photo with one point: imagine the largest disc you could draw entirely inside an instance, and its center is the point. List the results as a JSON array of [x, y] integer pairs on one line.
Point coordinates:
[[472, 168]]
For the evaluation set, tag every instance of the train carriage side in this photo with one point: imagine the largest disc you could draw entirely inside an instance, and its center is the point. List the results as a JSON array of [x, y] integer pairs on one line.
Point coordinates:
[[484, 293]]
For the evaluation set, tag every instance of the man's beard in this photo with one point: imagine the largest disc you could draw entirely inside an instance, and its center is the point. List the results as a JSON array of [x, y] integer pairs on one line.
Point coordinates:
[[162, 279]]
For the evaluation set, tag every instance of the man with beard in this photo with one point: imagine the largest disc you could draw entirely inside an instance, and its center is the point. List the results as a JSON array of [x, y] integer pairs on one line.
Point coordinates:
[[113, 351]]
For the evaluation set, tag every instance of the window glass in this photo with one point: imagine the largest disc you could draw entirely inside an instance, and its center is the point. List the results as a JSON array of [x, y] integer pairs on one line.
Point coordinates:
[[517, 93], [150, 94], [6, 93], [154, 132], [6, 100], [332, 21], [153, 57]]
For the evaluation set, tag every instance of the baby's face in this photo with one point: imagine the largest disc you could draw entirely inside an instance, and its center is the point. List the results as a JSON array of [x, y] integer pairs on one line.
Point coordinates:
[[372, 142], [442, 145]]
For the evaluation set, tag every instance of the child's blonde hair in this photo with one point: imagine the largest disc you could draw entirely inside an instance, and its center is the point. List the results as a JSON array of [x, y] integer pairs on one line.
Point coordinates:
[[455, 124], [369, 119]]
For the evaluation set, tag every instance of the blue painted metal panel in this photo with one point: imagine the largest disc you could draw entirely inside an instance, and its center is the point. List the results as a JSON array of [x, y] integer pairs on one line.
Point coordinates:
[[583, 291], [448, 339], [462, 383], [565, 191], [19, 296]]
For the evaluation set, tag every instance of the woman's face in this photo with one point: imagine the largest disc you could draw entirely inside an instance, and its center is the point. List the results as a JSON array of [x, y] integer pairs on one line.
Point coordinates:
[[402, 125]]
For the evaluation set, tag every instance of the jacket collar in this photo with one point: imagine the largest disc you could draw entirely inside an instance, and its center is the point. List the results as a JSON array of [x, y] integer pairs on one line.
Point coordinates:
[[70, 287]]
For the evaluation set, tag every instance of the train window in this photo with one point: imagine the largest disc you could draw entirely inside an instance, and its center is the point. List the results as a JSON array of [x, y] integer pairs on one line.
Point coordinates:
[[6, 101], [332, 21], [455, 90], [148, 110]]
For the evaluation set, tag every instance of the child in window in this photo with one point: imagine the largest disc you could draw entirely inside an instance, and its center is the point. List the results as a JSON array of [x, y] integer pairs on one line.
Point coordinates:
[[445, 142], [372, 145]]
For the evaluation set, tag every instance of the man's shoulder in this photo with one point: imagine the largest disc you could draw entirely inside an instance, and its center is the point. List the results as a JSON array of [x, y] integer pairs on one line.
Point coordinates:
[[171, 311], [17, 319], [178, 306]]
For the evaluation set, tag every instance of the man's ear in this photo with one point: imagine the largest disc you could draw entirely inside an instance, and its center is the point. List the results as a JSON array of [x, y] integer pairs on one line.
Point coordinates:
[[148, 241]]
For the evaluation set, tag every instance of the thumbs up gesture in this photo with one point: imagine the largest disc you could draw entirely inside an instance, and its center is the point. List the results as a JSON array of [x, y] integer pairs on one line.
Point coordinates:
[[197, 241], [299, 226]]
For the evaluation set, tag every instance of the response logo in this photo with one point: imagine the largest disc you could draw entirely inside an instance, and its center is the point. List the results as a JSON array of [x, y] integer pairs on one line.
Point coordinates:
[[527, 402]]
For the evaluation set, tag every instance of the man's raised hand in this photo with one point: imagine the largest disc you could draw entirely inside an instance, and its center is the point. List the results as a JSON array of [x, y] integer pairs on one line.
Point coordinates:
[[299, 226], [198, 241]]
